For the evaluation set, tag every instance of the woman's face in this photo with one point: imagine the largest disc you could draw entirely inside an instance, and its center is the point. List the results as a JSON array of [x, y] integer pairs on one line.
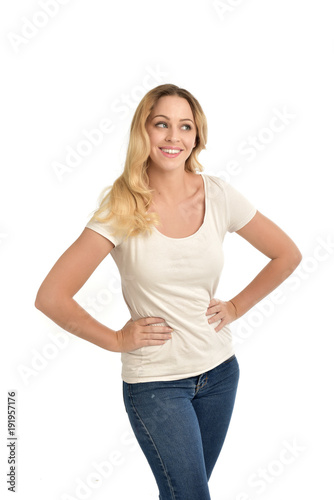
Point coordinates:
[[175, 130]]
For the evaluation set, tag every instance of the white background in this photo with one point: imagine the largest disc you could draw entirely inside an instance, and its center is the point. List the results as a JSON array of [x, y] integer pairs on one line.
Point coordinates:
[[245, 61]]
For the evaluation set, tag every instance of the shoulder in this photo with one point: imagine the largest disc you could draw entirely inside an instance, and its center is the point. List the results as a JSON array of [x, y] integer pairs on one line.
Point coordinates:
[[216, 186], [214, 180], [220, 186]]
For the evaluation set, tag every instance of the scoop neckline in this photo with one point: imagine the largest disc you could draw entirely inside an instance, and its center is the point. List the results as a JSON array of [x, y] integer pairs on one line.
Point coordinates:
[[204, 220]]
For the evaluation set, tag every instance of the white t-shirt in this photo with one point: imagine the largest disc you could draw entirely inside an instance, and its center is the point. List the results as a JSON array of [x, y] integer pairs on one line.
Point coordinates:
[[175, 279]]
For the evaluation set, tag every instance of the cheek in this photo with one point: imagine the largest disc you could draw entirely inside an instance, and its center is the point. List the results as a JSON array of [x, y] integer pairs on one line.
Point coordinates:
[[191, 142], [155, 138], [191, 138]]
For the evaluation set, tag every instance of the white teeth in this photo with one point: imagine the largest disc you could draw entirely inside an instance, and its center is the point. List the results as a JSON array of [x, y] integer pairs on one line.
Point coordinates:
[[170, 151]]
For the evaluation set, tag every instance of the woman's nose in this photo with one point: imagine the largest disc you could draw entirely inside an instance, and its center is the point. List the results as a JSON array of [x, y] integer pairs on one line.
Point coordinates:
[[172, 135]]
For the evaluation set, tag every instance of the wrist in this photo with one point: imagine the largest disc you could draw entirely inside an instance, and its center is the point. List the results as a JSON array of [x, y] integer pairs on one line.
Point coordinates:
[[235, 309], [114, 343]]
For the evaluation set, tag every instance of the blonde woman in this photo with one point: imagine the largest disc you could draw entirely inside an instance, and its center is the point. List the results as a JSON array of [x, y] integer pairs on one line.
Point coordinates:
[[163, 221]]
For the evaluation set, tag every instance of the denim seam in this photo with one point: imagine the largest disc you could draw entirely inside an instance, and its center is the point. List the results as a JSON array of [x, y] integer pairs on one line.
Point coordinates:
[[152, 441], [203, 384]]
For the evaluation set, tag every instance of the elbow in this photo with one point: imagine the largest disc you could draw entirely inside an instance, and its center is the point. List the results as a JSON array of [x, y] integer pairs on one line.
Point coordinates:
[[293, 259], [41, 296], [45, 299], [296, 257], [290, 260], [39, 301], [48, 300], [38, 304]]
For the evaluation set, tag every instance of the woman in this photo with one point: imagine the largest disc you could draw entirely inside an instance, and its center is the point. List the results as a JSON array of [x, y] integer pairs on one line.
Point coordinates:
[[164, 223]]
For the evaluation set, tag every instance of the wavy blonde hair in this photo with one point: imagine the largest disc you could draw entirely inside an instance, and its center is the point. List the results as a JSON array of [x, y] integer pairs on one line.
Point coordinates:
[[124, 204]]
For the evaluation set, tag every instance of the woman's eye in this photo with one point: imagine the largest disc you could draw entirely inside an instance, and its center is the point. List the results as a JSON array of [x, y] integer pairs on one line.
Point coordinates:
[[163, 123]]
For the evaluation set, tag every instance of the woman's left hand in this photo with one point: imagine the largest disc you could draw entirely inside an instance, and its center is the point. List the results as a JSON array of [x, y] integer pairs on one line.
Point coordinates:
[[223, 311]]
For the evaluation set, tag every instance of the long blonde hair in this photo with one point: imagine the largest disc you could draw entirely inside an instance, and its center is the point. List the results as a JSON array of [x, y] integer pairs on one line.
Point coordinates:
[[124, 204]]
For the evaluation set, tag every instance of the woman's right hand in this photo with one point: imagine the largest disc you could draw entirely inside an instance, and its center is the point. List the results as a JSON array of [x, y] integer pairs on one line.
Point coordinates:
[[141, 333]]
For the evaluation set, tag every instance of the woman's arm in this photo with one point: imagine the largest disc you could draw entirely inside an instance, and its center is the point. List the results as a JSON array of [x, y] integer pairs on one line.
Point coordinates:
[[285, 256], [67, 276]]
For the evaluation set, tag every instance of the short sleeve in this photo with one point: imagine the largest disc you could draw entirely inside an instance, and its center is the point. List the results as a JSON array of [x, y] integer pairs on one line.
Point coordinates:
[[240, 209], [105, 229]]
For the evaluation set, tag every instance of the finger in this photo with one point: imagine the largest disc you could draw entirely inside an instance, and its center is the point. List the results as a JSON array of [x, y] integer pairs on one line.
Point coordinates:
[[155, 342], [149, 320], [157, 338], [221, 325], [160, 326], [158, 329], [215, 318], [212, 310]]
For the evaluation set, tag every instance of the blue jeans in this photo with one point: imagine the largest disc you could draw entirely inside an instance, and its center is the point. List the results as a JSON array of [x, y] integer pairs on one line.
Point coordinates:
[[181, 426]]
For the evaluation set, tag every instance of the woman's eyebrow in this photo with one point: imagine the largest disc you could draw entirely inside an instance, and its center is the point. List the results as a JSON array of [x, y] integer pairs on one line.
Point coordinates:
[[182, 120]]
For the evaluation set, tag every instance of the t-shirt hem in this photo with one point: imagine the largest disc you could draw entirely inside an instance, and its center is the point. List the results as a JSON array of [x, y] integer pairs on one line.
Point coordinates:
[[166, 378]]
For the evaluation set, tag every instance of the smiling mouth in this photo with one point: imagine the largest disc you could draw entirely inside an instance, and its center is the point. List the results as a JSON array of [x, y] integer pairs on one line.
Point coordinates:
[[171, 150]]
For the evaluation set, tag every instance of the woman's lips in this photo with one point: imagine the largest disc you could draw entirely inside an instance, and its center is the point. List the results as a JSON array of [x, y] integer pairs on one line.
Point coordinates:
[[170, 155]]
